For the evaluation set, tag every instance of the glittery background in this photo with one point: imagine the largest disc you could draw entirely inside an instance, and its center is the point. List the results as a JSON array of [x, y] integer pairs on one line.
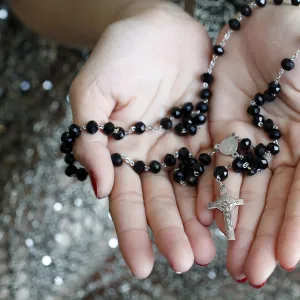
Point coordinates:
[[57, 242]]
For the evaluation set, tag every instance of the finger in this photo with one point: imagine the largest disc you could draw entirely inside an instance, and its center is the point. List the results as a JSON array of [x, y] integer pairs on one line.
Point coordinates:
[[253, 191], [262, 258], [165, 221], [89, 103], [205, 194], [199, 235], [128, 214], [288, 247]]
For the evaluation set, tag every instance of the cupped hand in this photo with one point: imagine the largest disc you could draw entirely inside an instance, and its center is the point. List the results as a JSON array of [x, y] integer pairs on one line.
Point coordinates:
[[268, 225], [141, 67]]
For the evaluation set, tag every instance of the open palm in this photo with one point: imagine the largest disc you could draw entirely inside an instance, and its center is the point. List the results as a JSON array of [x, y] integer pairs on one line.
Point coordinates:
[[268, 225], [141, 68]]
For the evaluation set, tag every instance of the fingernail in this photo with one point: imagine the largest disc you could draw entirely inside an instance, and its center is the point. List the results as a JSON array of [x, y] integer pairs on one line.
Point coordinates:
[[94, 184], [176, 271], [201, 265], [136, 277], [289, 270], [258, 286], [241, 280]]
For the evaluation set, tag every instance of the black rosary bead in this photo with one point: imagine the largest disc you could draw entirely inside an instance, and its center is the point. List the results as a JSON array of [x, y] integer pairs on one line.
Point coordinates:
[[262, 164], [183, 153], [180, 130], [199, 168], [191, 129], [274, 134], [251, 171], [70, 170], [260, 150], [82, 174], [139, 167], [274, 87], [268, 125], [155, 167], [187, 120], [205, 159], [287, 64], [140, 128], [273, 148], [221, 173], [176, 112], [66, 148], [234, 24], [116, 159], [192, 161], [207, 78], [237, 165], [259, 99], [74, 131], [166, 123], [202, 107], [258, 120], [119, 133], [187, 108], [91, 127], [191, 180], [296, 2], [170, 160], [246, 10], [205, 94], [261, 3], [269, 97], [178, 176], [249, 157], [66, 138], [184, 166], [108, 128], [245, 144], [278, 2], [199, 119], [253, 110], [70, 159], [218, 50]]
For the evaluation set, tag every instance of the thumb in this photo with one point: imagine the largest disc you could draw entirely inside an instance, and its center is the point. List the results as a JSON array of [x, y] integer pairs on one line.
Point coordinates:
[[88, 103]]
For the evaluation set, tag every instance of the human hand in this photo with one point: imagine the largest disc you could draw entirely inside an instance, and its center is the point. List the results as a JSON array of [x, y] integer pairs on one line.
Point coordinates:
[[268, 225], [141, 67]]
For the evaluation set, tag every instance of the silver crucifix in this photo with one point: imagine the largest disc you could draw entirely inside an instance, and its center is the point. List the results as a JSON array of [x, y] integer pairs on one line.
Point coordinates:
[[226, 204]]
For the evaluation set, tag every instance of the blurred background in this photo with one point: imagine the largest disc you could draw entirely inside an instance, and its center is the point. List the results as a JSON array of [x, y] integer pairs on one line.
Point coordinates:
[[57, 242]]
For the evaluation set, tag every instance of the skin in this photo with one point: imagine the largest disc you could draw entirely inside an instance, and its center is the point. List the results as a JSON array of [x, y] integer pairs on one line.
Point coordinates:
[[152, 60]]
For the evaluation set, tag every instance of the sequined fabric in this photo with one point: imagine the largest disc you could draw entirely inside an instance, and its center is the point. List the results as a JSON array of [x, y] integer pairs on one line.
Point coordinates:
[[57, 242]]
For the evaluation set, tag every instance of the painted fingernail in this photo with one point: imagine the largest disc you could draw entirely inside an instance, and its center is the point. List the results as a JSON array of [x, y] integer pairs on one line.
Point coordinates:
[[201, 265], [289, 270], [241, 280], [258, 286], [94, 184]]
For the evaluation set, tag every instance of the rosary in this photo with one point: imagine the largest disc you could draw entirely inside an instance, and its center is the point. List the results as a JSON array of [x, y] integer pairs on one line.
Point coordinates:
[[186, 120]]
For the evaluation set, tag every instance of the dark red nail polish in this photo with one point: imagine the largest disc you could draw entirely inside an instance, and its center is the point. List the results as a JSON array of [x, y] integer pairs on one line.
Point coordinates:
[[258, 286], [94, 184], [201, 265], [289, 270], [241, 280]]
